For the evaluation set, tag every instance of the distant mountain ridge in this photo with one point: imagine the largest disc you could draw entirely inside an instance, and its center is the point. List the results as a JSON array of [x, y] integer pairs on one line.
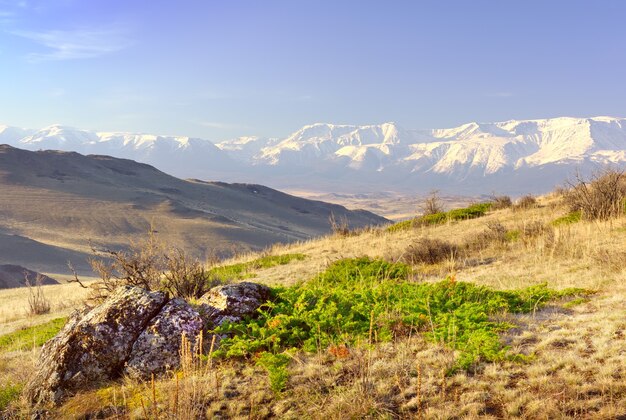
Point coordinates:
[[512, 156]]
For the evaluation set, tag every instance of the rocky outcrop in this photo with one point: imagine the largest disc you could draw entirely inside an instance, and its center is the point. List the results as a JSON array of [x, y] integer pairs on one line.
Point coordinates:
[[94, 345], [134, 332], [158, 347], [232, 302]]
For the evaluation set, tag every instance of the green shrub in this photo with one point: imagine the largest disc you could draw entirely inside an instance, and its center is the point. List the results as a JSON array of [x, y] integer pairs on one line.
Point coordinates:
[[342, 304], [568, 219], [432, 219], [26, 338], [276, 366], [400, 226], [471, 212], [9, 393], [438, 218]]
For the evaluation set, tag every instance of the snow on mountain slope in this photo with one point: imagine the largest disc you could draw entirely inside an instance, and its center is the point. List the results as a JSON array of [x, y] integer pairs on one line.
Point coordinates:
[[474, 157], [172, 154]]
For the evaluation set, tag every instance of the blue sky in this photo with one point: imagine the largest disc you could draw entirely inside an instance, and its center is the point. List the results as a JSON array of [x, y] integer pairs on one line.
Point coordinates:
[[219, 69]]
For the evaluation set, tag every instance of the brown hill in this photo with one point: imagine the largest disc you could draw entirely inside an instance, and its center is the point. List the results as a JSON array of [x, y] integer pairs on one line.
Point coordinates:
[[15, 276], [52, 204]]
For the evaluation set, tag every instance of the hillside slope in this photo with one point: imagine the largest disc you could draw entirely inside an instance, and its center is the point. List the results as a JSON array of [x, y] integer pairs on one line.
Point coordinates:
[[54, 203], [564, 352]]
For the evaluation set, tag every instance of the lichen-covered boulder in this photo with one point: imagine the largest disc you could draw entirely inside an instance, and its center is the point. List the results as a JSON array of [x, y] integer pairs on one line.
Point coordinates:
[[158, 347], [94, 345], [232, 302]]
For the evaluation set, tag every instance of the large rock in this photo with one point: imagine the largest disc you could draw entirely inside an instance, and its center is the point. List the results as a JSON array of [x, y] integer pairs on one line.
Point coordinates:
[[93, 346], [232, 302], [134, 332], [158, 347]]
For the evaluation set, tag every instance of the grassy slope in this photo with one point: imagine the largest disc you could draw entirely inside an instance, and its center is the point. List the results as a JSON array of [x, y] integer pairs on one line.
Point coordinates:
[[577, 369]]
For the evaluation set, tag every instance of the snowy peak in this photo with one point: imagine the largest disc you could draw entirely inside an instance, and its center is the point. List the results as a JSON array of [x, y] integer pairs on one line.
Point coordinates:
[[376, 156]]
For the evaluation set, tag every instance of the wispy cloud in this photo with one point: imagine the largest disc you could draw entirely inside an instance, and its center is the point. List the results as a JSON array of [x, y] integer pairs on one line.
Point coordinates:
[[77, 43]]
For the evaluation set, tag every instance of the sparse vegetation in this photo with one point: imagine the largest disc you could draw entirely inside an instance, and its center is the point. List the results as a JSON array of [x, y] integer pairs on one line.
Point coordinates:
[[28, 338], [568, 219], [9, 392], [351, 337], [245, 270]]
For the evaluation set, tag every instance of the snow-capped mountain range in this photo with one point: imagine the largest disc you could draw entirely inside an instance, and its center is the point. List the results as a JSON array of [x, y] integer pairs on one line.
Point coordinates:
[[507, 157]]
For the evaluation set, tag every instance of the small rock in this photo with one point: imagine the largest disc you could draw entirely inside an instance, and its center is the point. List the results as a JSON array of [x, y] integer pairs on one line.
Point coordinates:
[[232, 302]]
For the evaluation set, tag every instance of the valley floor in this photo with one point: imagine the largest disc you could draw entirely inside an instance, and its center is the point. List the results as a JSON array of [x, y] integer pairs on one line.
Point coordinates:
[[576, 347]]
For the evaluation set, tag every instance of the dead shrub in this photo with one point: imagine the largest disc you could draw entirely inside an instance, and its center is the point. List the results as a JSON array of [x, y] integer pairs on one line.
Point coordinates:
[[429, 251], [432, 204], [526, 202], [339, 226], [186, 277], [601, 197], [611, 259], [495, 233], [150, 265], [501, 202], [532, 232], [38, 304]]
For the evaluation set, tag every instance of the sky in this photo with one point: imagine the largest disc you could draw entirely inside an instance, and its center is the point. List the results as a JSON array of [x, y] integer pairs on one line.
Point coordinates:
[[221, 69]]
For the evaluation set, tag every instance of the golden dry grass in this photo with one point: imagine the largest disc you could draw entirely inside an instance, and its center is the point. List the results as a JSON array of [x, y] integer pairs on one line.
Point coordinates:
[[578, 349]]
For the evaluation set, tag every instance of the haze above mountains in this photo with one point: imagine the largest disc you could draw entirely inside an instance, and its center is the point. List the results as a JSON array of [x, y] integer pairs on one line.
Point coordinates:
[[512, 157]]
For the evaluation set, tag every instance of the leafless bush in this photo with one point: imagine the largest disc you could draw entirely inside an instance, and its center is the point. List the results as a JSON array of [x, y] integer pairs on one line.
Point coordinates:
[[610, 259], [495, 233], [601, 197], [501, 202], [38, 304], [526, 202], [142, 265], [150, 265], [429, 251], [339, 226], [186, 277], [432, 204], [533, 231]]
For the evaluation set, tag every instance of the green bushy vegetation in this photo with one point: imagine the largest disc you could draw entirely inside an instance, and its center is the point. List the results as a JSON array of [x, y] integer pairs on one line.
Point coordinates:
[[362, 300], [568, 219], [471, 212], [245, 270], [26, 338]]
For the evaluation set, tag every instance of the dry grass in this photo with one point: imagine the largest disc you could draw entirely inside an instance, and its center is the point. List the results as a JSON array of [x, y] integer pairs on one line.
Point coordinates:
[[578, 348]]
